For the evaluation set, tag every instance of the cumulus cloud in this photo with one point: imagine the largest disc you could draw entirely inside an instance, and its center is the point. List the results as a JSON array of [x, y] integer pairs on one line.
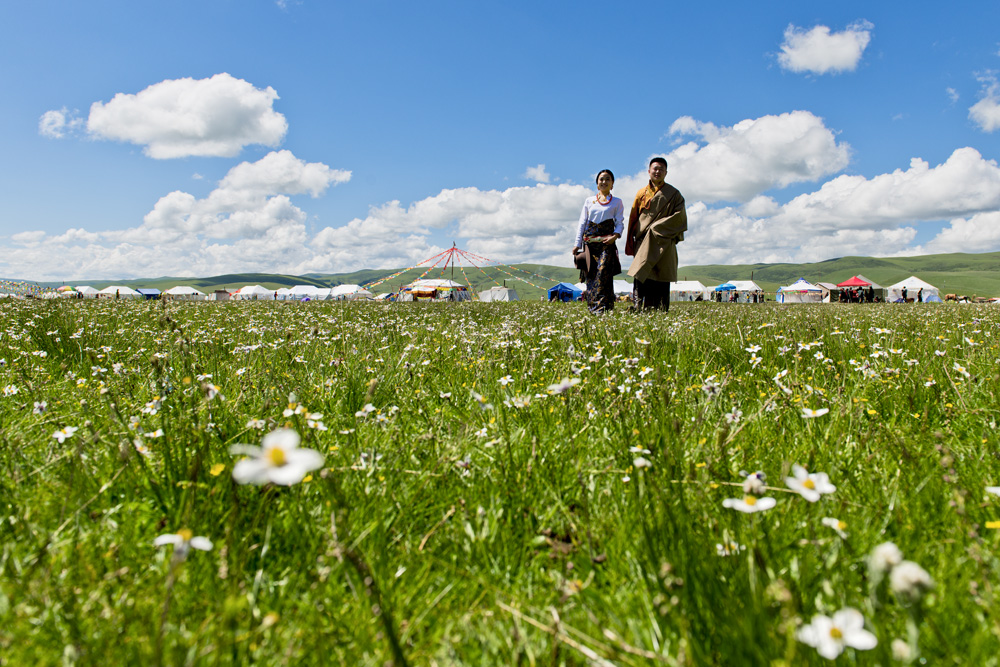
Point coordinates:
[[854, 215], [986, 112], [516, 224], [248, 222], [740, 162], [820, 51], [56, 124], [176, 118], [536, 174], [980, 232], [965, 183]]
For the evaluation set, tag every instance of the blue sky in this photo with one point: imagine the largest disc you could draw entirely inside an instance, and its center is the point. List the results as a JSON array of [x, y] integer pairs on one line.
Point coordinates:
[[200, 138]]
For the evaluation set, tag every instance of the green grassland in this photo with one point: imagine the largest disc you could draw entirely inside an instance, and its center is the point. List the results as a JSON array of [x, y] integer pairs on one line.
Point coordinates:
[[497, 484], [959, 273]]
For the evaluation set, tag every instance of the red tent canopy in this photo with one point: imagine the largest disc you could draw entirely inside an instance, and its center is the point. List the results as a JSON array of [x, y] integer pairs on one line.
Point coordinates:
[[854, 281]]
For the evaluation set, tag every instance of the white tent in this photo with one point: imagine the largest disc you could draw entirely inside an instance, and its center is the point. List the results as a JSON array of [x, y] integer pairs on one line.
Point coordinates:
[[87, 291], [349, 293], [282, 293], [120, 291], [361, 295], [913, 286], [801, 291], [687, 290], [622, 287], [254, 293], [498, 293], [300, 292], [184, 293]]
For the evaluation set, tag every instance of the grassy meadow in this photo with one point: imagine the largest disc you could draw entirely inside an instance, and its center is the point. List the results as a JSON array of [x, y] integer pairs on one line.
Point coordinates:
[[498, 484]]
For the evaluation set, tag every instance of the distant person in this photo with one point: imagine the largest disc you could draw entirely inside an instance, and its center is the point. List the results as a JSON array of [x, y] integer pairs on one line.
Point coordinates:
[[656, 225], [602, 222], [904, 293], [920, 295]]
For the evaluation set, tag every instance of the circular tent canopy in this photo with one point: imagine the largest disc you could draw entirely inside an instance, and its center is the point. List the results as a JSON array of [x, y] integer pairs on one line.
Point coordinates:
[[725, 287], [438, 288]]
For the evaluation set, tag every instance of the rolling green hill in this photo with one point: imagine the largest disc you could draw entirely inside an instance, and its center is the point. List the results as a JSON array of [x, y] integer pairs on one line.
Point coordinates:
[[961, 273]]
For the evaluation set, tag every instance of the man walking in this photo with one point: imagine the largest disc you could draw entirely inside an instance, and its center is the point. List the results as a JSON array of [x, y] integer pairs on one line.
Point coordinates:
[[655, 226]]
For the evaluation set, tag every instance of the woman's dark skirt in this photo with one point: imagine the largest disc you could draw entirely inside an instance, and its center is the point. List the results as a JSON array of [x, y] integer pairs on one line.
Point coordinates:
[[604, 266]]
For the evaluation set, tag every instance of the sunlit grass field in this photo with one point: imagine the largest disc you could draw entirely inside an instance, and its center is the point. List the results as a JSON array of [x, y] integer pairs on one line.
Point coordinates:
[[498, 484]]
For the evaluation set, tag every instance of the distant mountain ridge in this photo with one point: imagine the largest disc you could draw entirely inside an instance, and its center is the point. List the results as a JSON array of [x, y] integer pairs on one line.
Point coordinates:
[[964, 273]]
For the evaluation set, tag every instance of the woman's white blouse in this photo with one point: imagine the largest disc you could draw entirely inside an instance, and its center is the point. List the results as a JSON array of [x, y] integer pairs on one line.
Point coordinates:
[[593, 211]]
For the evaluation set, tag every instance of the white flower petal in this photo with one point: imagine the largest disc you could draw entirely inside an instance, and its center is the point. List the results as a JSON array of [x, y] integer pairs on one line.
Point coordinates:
[[201, 543]]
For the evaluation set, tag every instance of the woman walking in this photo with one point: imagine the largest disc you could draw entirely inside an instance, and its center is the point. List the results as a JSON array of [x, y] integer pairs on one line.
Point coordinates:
[[602, 222]]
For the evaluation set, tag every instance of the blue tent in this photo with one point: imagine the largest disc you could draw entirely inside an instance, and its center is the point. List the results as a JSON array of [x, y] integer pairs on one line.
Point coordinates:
[[149, 293], [725, 287], [564, 292]]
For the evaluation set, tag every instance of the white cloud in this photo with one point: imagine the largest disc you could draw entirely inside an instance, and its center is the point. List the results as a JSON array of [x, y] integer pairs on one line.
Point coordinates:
[[516, 224], [986, 112], [57, 124], [740, 162], [248, 222], [536, 174], [853, 215], [965, 183], [28, 238], [820, 51], [176, 118], [978, 233], [952, 94]]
